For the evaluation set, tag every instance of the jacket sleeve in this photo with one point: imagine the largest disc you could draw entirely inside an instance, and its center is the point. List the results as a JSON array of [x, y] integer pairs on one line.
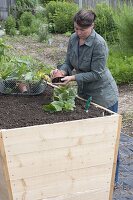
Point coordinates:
[[98, 64], [66, 66]]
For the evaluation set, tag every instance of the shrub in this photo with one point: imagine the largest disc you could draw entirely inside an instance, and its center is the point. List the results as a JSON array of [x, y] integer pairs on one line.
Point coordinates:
[[22, 6], [26, 19], [10, 25], [40, 13], [105, 23], [60, 16], [24, 30], [124, 18], [36, 23], [43, 33], [25, 23], [121, 66]]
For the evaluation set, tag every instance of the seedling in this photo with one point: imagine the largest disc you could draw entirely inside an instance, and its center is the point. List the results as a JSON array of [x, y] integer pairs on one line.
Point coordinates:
[[63, 99]]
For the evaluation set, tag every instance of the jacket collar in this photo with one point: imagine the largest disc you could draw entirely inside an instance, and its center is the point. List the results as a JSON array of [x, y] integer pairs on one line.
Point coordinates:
[[90, 39]]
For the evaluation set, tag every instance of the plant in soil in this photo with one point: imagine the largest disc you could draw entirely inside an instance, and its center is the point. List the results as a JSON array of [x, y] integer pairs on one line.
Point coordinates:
[[23, 110], [63, 99], [19, 75]]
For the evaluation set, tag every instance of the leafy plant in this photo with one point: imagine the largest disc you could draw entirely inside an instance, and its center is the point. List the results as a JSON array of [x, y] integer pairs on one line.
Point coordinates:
[[43, 33], [22, 6], [124, 19], [25, 23], [3, 47], [10, 25], [105, 24], [60, 16], [120, 65], [63, 99]]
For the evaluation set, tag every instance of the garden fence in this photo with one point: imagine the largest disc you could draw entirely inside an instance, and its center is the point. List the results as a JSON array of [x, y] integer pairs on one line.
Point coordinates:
[[5, 7]]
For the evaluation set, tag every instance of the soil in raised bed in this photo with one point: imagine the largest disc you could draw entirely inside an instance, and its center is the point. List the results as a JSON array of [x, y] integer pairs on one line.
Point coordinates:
[[22, 111]]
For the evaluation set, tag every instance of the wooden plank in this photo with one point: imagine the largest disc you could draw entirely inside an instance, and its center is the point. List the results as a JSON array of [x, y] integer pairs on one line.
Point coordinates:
[[58, 143], [60, 130], [115, 158], [62, 160], [57, 178], [69, 153], [93, 195], [5, 186], [28, 165], [64, 188]]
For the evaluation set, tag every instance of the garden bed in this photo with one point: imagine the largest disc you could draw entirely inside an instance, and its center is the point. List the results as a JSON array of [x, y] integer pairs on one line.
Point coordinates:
[[61, 155], [22, 111]]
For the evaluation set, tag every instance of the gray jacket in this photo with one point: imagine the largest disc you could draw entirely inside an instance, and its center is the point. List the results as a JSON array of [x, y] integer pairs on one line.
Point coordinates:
[[92, 76]]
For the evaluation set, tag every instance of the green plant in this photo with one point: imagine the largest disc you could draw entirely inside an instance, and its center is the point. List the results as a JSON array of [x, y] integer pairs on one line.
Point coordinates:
[[105, 24], [3, 48], [22, 6], [60, 16], [63, 99], [10, 25], [120, 65], [68, 33], [26, 22], [43, 33], [26, 19], [40, 13], [124, 19]]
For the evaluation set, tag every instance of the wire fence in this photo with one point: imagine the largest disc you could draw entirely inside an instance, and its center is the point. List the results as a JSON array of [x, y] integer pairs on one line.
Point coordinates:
[[18, 87]]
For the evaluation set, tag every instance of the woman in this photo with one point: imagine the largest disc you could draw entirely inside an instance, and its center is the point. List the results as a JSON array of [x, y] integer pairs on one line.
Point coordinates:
[[87, 54]]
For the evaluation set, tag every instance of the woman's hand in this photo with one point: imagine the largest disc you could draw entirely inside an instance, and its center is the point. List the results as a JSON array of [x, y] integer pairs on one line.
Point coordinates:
[[66, 80]]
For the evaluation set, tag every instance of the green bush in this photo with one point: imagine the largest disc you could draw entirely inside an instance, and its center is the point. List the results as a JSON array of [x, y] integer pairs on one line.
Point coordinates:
[[36, 23], [43, 33], [60, 16], [24, 30], [105, 24], [22, 6], [26, 19], [121, 66], [10, 25], [30, 24], [124, 18], [26, 23], [40, 13]]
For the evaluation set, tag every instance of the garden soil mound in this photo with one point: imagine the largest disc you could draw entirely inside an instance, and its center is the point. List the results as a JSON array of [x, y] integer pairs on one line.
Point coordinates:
[[22, 111]]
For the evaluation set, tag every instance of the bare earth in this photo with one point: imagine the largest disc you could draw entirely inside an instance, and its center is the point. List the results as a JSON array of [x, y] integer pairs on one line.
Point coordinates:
[[54, 54]]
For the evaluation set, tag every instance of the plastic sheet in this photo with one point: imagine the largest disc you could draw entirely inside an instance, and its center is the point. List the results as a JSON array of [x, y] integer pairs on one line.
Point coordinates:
[[124, 191]]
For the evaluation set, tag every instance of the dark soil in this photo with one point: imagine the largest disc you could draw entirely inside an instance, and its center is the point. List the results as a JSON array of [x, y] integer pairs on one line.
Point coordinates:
[[22, 111]]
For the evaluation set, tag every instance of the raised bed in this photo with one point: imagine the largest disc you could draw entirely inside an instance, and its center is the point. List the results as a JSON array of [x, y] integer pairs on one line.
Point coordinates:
[[65, 160]]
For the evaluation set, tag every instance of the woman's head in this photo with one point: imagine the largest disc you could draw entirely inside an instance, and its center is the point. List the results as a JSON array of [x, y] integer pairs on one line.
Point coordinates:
[[85, 18], [84, 23]]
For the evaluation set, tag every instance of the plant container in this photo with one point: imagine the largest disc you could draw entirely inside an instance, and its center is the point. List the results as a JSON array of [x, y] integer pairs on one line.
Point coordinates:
[[73, 160]]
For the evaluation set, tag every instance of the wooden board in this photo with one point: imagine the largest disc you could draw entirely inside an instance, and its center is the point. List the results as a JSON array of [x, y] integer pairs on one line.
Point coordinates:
[[62, 161]]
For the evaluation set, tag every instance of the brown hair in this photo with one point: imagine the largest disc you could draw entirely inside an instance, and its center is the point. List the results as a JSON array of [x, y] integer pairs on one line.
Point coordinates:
[[84, 18]]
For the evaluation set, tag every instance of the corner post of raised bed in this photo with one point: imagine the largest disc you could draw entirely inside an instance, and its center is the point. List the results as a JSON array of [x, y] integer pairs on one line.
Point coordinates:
[[115, 158], [5, 186]]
